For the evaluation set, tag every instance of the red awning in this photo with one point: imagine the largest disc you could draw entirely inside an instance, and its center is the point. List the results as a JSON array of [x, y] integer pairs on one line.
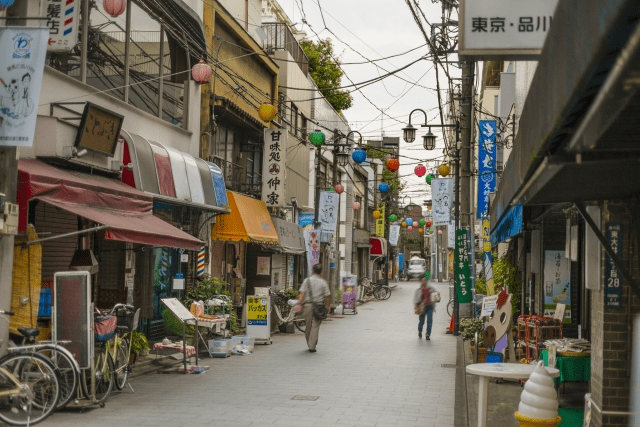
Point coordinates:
[[127, 211], [378, 246]]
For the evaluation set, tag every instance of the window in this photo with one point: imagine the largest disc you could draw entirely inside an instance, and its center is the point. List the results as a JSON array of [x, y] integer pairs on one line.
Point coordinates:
[[294, 120], [357, 215]]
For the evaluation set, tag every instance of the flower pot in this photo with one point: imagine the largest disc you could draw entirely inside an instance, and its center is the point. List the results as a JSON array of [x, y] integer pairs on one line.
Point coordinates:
[[132, 358], [482, 353]]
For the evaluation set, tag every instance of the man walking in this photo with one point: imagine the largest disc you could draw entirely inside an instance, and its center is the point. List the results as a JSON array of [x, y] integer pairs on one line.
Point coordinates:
[[313, 290], [424, 307]]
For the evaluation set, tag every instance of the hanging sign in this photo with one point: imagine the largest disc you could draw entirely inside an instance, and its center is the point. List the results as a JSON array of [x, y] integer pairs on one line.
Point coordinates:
[[305, 220], [312, 245], [380, 222], [328, 211], [463, 269], [486, 164], [273, 167], [504, 29], [63, 23], [612, 276], [451, 232], [264, 266], [22, 54], [557, 283], [394, 232], [442, 200]]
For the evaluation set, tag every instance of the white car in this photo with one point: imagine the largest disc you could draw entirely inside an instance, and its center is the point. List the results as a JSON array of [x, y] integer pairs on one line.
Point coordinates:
[[417, 268]]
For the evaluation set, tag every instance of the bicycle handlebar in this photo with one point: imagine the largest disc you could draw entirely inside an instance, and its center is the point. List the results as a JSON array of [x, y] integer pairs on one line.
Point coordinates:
[[8, 313]]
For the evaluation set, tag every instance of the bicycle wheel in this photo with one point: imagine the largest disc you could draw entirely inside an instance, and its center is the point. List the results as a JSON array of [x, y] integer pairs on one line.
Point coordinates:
[[388, 292], [450, 308], [104, 376], [300, 323], [380, 292], [68, 377], [37, 393], [122, 364]]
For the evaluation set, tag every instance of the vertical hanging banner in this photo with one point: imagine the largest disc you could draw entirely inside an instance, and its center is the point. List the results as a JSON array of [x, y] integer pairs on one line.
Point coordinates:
[[486, 164], [612, 276], [273, 167], [63, 23], [394, 232], [463, 270], [22, 54], [312, 245], [557, 283], [442, 200], [380, 222], [487, 258], [328, 211], [451, 232]]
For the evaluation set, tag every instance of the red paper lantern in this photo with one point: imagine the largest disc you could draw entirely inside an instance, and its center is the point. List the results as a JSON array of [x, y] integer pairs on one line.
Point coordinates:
[[409, 227], [114, 8], [420, 170], [393, 164], [339, 188], [440, 232], [201, 72], [355, 206], [428, 223]]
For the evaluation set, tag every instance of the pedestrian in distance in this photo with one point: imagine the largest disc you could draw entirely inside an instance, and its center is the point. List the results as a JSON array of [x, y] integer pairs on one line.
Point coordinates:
[[313, 290], [424, 306]]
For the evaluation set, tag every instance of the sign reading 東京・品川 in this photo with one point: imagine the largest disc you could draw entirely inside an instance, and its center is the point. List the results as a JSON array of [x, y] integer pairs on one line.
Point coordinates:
[[273, 167], [504, 29]]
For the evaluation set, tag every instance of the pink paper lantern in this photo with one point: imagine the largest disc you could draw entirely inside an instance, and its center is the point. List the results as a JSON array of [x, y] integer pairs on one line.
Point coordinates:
[[201, 72], [355, 206], [339, 188], [409, 228], [114, 8], [420, 170], [440, 232]]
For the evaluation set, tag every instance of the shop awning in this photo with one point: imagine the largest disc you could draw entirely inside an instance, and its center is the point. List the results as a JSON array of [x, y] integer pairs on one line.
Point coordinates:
[[509, 226], [106, 201], [378, 246], [249, 221], [290, 236]]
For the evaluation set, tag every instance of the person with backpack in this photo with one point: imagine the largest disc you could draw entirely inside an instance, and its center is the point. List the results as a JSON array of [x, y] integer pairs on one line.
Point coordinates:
[[424, 307]]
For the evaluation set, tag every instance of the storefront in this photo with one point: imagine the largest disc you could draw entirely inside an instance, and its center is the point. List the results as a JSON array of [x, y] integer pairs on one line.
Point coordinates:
[[361, 245], [377, 253], [292, 255]]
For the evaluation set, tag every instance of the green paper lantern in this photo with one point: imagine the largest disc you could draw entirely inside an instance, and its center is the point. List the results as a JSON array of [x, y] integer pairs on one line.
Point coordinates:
[[430, 231], [429, 178], [427, 275], [393, 217], [316, 138], [422, 222], [330, 190]]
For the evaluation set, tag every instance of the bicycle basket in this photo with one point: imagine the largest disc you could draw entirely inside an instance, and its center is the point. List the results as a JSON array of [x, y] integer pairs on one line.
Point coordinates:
[[104, 328], [125, 318]]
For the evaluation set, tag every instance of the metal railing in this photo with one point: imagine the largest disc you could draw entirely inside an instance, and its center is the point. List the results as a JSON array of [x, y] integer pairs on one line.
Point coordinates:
[[280, 37], [236, 180]]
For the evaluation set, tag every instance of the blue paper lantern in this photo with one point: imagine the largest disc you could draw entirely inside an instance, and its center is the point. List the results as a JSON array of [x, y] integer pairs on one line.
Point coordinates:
[[383, 188], [359, 156], [6, 3], [409, 221]]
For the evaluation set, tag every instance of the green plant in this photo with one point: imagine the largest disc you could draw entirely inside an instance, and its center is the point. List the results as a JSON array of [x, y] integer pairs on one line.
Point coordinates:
[[292, 293], [469, 327], [173, 325], [481, 285], [138, 342], [505, 276], [205, 289], [233, 323]]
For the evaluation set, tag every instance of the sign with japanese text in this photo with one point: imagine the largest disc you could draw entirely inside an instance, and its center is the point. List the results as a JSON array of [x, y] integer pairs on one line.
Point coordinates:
[[264, 266], [380, 222], [99, 130], [486, 164], [612, 276], [63, 23], [273, 167], [349, 286], [22, 54], [312, 246], [328, 211], [463, 269], [256, 310], [504, 29], [394, 232], [557, 283], [451, 232], [442, 200]]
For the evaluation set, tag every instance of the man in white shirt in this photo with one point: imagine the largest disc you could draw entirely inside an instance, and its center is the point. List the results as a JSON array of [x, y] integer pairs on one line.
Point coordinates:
[[314, 289]]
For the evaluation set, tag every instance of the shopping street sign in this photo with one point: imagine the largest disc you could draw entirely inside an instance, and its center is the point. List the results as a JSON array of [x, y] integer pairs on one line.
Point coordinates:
[[463, 269]]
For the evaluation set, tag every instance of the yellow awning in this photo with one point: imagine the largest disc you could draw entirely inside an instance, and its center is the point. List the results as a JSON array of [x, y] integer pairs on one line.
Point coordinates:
[[249, 221]]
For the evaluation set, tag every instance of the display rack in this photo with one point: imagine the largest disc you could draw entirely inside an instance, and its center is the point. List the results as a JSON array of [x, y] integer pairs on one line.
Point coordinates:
[[534, 330]]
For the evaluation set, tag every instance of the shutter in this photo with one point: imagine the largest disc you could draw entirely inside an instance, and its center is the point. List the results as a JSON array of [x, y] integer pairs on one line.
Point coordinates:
[[56, 253]]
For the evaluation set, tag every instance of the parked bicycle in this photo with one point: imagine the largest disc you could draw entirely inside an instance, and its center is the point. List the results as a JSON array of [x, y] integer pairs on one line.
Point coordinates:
[[285, 310], [120, 346], [378, 291], [29, 387], [103, 369]]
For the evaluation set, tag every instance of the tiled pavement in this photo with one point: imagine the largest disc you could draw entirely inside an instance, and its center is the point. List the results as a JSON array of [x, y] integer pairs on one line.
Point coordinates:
[[370, 370]]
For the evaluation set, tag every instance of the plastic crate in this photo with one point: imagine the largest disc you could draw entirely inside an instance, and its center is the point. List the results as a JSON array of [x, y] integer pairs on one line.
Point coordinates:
[[249, 342], [44, 309], [220, 348]]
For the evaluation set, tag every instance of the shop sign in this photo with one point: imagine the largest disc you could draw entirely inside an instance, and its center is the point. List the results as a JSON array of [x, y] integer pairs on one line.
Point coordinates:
[[486, 164], [99, 130], [306, 219], [291, 271], [463, 269], [349, 285], [256, 311], [442, 200], [22, 54], [328, 211], [312, 245], [504, 29], [63, 23], [557, 283], [380, 222], [394, 232], [612, 276], [273, 167], [451, 231], [264, 264]]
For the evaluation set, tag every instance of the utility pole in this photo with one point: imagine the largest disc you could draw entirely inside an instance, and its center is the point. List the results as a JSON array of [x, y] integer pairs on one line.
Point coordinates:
[[335, 271], [466, 108]]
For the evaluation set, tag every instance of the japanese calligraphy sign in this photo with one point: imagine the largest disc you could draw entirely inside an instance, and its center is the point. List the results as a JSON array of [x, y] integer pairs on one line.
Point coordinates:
[[328, 211], [22, 54], [486, 164], [99, 130], [612, 276], [380, 222], [504, 29], [462, 267], [274, 166], [63, 23], [557, 283], [394, 232], [442, 200]]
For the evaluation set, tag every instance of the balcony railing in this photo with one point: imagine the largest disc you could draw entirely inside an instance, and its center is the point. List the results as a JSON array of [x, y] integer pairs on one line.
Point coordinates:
[[279, 37], [236, 180]]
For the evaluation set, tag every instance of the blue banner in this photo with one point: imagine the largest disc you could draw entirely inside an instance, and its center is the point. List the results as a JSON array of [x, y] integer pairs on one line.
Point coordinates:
[[509, 225], [486, 164], [306, 219]]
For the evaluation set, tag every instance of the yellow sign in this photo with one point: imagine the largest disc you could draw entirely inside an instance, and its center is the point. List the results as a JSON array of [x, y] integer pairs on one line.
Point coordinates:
[[380, 223], [486, 236], [256, 311]]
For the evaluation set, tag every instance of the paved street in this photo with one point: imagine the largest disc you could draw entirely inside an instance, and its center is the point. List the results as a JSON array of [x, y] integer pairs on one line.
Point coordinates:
[[370, 370]]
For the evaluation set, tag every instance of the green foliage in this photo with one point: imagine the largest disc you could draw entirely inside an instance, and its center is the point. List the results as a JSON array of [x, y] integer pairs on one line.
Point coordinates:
[[411, 243], [326, 73], [292, 293], [138, 341], [173, 325], [233, 323], [481, 285], [505, 276], [206, 289], [391, 178], [469, 327]]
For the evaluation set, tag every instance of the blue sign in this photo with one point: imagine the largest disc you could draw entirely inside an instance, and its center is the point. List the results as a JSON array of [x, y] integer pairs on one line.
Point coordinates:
[[509, 225], [218, 185], [612, 276], [305, 219], [486, 164]]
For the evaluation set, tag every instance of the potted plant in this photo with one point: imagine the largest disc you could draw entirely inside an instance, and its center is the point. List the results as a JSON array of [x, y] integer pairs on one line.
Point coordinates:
[[469, 329], [139, 343]]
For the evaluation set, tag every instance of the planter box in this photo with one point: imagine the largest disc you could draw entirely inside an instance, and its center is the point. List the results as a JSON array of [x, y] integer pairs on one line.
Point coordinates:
[[482, 354]]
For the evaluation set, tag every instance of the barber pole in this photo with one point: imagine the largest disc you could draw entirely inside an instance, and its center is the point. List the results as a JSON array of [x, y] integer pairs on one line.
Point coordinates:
[[200, 267]]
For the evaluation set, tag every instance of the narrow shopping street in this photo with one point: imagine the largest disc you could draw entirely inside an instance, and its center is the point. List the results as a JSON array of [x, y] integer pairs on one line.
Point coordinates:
[[370, 370]]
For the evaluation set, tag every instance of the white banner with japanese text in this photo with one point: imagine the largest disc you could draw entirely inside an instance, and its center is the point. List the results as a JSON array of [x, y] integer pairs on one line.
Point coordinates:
[[394, 232], [22, 54], [442, 200], [328, 211], [273, 167]]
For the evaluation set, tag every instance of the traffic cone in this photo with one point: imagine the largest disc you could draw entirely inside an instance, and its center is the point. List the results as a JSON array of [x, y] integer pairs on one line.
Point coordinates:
[[450, 330]]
